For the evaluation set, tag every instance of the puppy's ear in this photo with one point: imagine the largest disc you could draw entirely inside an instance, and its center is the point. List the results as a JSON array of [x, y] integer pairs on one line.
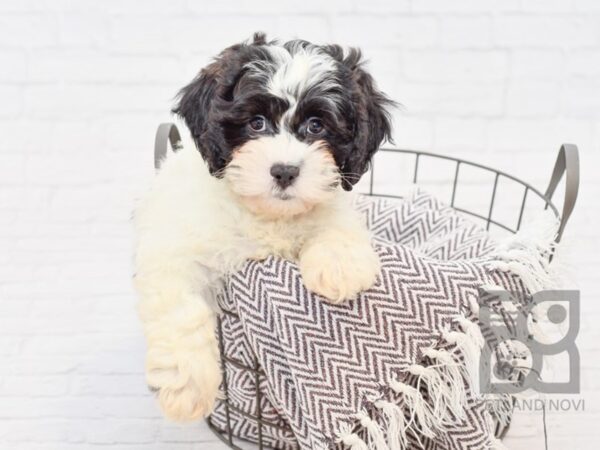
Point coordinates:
[[372, 118], [201, 101]]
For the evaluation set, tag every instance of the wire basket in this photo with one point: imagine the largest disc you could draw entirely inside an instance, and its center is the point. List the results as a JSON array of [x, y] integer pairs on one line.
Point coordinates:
[[506, 216]]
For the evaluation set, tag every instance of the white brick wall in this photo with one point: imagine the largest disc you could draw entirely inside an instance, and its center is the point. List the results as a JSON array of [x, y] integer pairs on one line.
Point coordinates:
[[83, 84]]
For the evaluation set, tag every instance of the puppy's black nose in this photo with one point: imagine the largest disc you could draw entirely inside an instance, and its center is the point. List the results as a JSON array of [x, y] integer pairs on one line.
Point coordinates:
[[284, 174]]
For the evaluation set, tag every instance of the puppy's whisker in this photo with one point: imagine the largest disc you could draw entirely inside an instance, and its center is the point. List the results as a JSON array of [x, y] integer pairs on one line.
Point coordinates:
[[349, 177], [333, 185], [222, 172], [352, 173]]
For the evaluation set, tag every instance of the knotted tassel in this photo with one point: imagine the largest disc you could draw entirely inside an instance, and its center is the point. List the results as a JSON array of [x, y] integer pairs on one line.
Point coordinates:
[[440, 391], [453, 373], [470, 351], [374, 431], [471, 329], [346, 436], [395, 424], [418, 408]]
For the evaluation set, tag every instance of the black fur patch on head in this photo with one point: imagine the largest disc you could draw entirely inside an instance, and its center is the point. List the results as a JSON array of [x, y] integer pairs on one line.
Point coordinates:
[[367, 112], [209, 104], [220, 102]]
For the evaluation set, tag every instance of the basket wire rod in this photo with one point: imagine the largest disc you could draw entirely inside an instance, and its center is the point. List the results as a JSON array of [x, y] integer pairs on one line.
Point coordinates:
[[455, 182], [219, 433], [266, 423], [522, 208], [258, 405], [416, 168], [483, 218], [489, 218], [239, 364], [225, 384], [228, 313], [471, 164]]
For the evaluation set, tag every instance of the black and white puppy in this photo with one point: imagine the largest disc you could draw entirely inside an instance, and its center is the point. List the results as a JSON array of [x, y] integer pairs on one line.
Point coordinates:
[[282, 133]]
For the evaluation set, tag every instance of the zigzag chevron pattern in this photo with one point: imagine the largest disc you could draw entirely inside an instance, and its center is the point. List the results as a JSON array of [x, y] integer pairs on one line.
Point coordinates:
[[322, 362]]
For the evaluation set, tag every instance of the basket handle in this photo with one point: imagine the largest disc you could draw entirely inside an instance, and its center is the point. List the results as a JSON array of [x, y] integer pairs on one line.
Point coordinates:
[[567, 162], [165, 134]]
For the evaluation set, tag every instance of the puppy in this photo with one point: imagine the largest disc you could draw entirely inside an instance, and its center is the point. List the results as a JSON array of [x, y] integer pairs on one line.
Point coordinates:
[[282, 133]]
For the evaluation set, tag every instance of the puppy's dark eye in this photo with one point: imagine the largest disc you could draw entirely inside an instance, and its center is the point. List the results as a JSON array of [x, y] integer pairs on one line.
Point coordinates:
[[315, 126], [258, 123]]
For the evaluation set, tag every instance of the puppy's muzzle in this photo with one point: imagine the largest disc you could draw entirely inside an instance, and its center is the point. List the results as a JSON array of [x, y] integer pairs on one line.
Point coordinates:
[[284, 174]]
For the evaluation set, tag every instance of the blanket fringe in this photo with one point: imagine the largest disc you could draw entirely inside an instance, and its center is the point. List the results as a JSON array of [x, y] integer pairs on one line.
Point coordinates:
[[376, 436], [350, 439], [468, 343], [527, 254], [395, 423], [452, 372], [418, 408], [472, 330]]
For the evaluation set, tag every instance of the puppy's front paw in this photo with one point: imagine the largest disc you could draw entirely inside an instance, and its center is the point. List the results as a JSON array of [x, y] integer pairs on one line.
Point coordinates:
[[187, 384], [338, 269]]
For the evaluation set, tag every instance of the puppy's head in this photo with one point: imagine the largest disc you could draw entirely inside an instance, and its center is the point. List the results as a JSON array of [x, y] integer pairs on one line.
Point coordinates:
[[285, 125]]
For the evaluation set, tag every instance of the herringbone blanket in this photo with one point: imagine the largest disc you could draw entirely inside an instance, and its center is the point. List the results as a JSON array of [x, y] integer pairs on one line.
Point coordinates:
[[395, 368]]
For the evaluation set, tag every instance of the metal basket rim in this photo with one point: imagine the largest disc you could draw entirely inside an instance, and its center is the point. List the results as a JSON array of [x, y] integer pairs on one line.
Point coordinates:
[[567, 164], [460, 161]]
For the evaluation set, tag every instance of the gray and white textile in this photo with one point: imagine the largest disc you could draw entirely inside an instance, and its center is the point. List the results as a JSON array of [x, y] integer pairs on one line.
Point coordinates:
[[396, 367]]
